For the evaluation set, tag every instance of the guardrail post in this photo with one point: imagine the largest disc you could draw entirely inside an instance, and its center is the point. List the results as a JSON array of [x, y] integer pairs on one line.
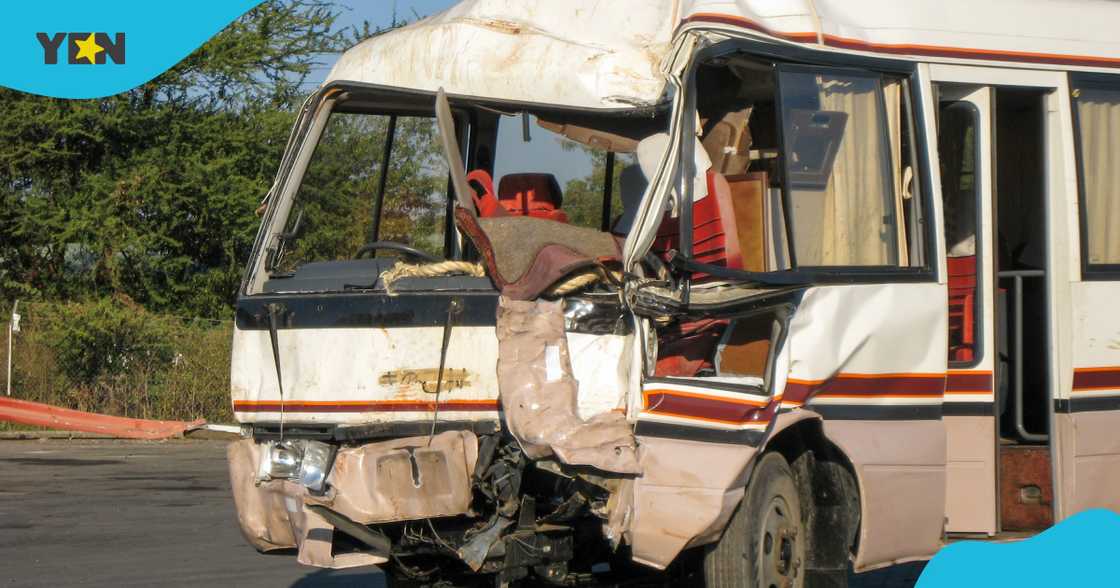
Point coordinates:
[[12, 322]]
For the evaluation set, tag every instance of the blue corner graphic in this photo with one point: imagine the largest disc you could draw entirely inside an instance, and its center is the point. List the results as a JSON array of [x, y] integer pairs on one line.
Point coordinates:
[[72, 49], [1076, 552]]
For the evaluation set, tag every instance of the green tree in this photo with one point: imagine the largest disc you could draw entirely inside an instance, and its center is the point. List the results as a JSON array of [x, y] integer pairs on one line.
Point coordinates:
[[583, 197], [334, 204], [151, 193]]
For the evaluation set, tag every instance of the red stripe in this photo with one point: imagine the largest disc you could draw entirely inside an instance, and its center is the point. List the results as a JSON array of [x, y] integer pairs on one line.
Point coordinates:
[[367, 406], [867, 385], [1105, 378], [913, 49], [968, 382], [707, 408], [737, 21]]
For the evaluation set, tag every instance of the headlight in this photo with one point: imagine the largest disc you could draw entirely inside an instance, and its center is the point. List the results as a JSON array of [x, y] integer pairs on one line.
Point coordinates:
[[302, 460]]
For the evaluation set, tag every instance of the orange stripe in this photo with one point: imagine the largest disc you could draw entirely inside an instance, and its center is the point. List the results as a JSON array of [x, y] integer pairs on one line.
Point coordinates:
[[854, 376], [874, 395], [898, 375], [1096, 369], [706, 419]]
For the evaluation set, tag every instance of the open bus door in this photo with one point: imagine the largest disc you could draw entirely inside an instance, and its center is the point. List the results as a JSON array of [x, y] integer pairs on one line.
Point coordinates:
[[1031, 313], [964, 148]]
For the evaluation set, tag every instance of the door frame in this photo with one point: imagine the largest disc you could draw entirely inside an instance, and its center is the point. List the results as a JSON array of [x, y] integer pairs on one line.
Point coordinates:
[[961, 381], [1061, 227]]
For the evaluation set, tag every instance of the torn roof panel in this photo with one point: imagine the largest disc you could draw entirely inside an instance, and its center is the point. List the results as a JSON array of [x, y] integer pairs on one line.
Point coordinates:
[[607, 54], [592, 54]]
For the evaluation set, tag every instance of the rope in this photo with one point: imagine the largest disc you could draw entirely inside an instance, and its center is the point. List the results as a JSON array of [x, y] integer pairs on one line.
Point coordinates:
[[429, 270], [582, 279], [573, 283]]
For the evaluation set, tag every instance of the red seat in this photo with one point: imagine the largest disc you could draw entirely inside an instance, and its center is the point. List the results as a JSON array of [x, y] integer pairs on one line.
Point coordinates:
[[962, 308], [484, 198], [715, 240], [536, 195], [686, 349]]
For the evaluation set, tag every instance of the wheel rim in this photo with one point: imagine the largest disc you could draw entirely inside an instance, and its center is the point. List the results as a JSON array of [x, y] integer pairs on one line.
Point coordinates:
[[779, 551]]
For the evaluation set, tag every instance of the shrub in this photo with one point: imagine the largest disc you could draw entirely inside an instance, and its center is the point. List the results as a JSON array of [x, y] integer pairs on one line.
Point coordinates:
[[113, 357], [106, 339]]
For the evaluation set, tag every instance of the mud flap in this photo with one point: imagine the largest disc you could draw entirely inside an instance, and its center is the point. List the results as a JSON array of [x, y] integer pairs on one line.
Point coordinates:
[[539, 393]]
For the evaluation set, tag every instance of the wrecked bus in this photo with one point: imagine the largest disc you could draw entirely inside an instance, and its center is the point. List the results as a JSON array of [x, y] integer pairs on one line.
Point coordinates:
[[835, 289]]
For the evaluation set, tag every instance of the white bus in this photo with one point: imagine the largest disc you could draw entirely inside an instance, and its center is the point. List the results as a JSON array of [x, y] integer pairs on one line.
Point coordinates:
[[837, 289]]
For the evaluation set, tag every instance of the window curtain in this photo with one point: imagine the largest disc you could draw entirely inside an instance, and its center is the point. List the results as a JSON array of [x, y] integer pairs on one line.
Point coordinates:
[[857, 226], [1099, 114], [892, 93]]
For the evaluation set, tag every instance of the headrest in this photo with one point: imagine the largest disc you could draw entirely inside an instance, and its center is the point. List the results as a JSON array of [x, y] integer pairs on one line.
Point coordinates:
[[654, 146], [531, 189]]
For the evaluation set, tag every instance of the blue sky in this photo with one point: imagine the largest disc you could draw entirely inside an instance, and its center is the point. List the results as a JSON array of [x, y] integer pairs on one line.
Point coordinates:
[[542, 154], [379, 13]]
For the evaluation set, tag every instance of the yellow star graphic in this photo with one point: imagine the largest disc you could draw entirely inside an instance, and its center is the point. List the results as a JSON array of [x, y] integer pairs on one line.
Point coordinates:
[[88, 48]]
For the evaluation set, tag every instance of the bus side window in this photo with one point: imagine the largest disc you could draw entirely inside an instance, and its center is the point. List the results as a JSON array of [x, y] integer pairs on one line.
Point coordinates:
[[1097, 107], [853, 197], [956, 145]]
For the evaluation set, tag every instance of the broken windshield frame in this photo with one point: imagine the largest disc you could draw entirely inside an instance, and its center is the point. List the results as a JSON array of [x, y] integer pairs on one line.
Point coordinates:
[[273, 257]]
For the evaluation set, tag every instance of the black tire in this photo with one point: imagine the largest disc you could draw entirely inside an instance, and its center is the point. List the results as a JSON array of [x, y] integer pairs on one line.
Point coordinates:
[[764, 543]]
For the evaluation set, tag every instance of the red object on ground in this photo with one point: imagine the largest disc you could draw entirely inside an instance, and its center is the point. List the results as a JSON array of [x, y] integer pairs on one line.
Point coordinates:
[[65, 419]]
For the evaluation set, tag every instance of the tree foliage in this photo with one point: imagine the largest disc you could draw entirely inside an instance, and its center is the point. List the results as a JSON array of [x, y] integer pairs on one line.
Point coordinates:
[[151, 193], [334, 205], [583, 197]]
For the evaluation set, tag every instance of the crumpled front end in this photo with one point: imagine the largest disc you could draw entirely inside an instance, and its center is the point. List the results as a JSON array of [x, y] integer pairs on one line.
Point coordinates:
[[452, 500], [399, 480]]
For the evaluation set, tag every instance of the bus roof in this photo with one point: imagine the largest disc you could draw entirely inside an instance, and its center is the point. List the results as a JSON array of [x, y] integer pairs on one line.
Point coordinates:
[[579, 53], [597, 54]]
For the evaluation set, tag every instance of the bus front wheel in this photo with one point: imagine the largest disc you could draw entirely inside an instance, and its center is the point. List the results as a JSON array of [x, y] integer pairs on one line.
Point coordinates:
[[764, 543]]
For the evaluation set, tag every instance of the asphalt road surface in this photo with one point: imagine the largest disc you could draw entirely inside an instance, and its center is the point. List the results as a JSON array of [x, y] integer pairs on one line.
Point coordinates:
[[109, 513]]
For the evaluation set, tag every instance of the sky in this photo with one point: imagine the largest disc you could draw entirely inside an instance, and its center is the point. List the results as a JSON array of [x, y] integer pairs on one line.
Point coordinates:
[[541, 154]]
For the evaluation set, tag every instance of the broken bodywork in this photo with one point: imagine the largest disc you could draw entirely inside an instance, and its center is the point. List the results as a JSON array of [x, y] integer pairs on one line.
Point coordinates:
[[528, 397]]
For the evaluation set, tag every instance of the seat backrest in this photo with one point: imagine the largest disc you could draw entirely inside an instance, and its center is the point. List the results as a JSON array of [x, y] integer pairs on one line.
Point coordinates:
[[715, 240], [962, 272], [532, 194], [728, 142], [962, 311], [484, 199]]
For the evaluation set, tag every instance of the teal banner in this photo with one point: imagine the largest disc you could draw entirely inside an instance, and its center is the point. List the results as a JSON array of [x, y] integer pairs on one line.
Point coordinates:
[[83, 49], [1076, 552]]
